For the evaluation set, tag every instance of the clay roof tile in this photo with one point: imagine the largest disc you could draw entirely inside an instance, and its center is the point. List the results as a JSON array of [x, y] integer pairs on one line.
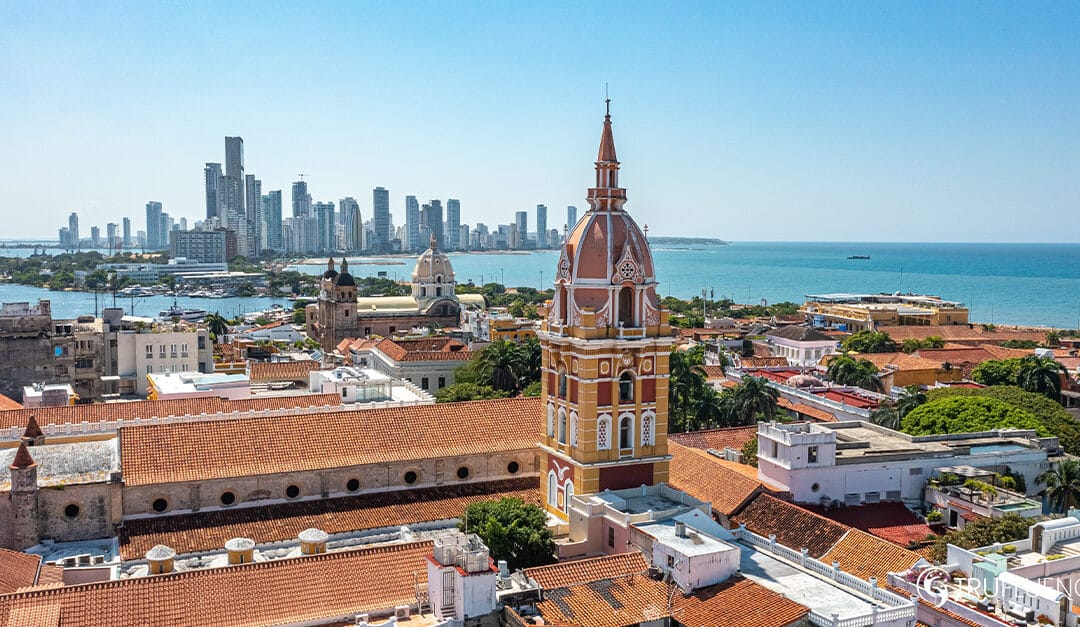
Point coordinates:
[[22, 458]]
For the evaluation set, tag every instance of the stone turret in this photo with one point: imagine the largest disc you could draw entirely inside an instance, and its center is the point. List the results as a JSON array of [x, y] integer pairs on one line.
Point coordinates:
[[33, 435], [25, 522]]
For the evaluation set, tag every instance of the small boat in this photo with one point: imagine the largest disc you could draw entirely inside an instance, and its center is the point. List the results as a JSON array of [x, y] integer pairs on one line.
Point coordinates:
[[859, 257]]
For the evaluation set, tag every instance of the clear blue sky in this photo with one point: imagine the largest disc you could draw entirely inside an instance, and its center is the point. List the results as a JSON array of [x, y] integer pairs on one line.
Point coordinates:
[[948, 121]]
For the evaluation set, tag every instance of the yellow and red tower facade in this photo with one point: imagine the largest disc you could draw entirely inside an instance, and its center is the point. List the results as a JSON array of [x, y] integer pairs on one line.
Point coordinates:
[[605, 345]]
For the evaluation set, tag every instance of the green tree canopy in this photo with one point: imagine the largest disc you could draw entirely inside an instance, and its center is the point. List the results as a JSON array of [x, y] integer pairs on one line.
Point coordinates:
[[513, 530], [468, 392], [870, 342], [966, 414], [997, 372], [982, 532], [846, 370], [1052, 415]]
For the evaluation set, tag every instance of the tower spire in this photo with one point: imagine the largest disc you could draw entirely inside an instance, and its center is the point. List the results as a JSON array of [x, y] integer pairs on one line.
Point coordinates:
[[606, 194]]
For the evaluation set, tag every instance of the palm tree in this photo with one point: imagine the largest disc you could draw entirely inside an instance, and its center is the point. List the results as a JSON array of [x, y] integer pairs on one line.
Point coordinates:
[[845, 370], [711, 410], [500, 362], [685, 386], [887, 415], [217, 325], [1062, 484], [752, 398], [910, 398], [1041, 375]]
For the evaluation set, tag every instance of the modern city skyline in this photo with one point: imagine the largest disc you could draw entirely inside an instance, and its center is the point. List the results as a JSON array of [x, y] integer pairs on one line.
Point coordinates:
[[908, 114]]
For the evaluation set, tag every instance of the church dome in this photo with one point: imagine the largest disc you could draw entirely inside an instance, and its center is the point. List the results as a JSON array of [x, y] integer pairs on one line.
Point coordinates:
[[433, 266], [606, 265]]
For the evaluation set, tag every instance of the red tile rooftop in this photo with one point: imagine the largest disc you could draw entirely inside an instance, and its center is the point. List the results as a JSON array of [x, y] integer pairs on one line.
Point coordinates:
[[719, 439], [847, 398], [890, 521]]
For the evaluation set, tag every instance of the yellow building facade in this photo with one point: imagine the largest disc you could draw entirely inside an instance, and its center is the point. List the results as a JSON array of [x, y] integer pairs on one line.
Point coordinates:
[[605, 344]]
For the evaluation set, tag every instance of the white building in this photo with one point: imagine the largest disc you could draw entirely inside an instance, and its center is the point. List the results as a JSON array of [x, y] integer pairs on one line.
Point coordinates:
[[352, 384], [174, 385], [803, 346], [160, 348], [859, 462]]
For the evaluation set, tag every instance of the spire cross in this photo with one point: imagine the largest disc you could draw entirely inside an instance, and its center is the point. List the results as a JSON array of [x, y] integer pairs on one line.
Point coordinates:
[[607, 101]]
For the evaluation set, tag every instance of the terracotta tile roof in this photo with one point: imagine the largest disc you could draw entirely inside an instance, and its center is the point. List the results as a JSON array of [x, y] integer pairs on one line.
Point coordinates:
[[719, 439], [900, 361], [7, 403], [17, 570], [713, 372], [890, 521], [727, 485], [355, 344], [738, 603], [339, 584], [763, 362], [592, 569], [630, 600], [110, 412], [426, 349], [972, 355], [207, 531], [22, 457], [866, 556], [962, 333], [219, 449], [794, 526], [259, 371], [804, 409]]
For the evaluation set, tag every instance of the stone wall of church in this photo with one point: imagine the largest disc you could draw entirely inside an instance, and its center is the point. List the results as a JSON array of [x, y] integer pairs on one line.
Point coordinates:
[[372, 478], [97, 514]]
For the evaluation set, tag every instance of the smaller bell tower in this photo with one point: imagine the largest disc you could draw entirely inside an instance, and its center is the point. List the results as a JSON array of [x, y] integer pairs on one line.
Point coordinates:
[[25, 519]]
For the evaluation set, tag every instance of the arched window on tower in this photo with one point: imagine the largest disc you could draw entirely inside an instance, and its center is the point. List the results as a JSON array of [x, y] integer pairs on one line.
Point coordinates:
[[626, 432], [562, 305], [562, 426], [553, 489], [626, 388], [626, 307], [562, 385], [569, 492]]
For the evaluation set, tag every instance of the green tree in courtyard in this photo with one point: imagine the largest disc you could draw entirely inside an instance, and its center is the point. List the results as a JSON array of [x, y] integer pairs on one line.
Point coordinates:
[[467, 392], [752, 399], [846, 370], [1062, 484], [982, 532], [967, 414], [513, 530], [870, 342]]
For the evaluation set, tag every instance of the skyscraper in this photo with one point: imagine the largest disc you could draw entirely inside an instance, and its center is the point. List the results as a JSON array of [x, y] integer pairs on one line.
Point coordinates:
[[412, 224], [127, 232], [453, 224], [215, 191], [301, 200], [324, 213], [271, 211], [571, 216], [431, 217], [73, 229], [253, 202], [153, 225], [353, 225], [95, 237], [541, 226], [234, 174], [380, 219], [521, 227]]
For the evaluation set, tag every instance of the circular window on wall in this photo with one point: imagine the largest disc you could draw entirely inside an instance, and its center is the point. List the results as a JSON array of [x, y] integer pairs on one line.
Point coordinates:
[[160, 505], [411, 477], [71, 511], [352, 485], [815, 488], [463, 473], [513, 468], [228, 498], [292, 491]]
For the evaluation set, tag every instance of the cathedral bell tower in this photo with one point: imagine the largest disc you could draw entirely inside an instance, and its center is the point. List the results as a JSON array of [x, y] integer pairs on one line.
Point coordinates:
[[605, 345]]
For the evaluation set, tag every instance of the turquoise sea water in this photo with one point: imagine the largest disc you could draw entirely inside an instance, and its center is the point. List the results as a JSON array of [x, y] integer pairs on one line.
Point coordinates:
[[1002, 283]]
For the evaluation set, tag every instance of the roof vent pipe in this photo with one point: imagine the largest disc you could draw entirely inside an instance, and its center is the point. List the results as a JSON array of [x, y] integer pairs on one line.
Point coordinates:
[[680, 530], [159, 560], [241, 550]]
